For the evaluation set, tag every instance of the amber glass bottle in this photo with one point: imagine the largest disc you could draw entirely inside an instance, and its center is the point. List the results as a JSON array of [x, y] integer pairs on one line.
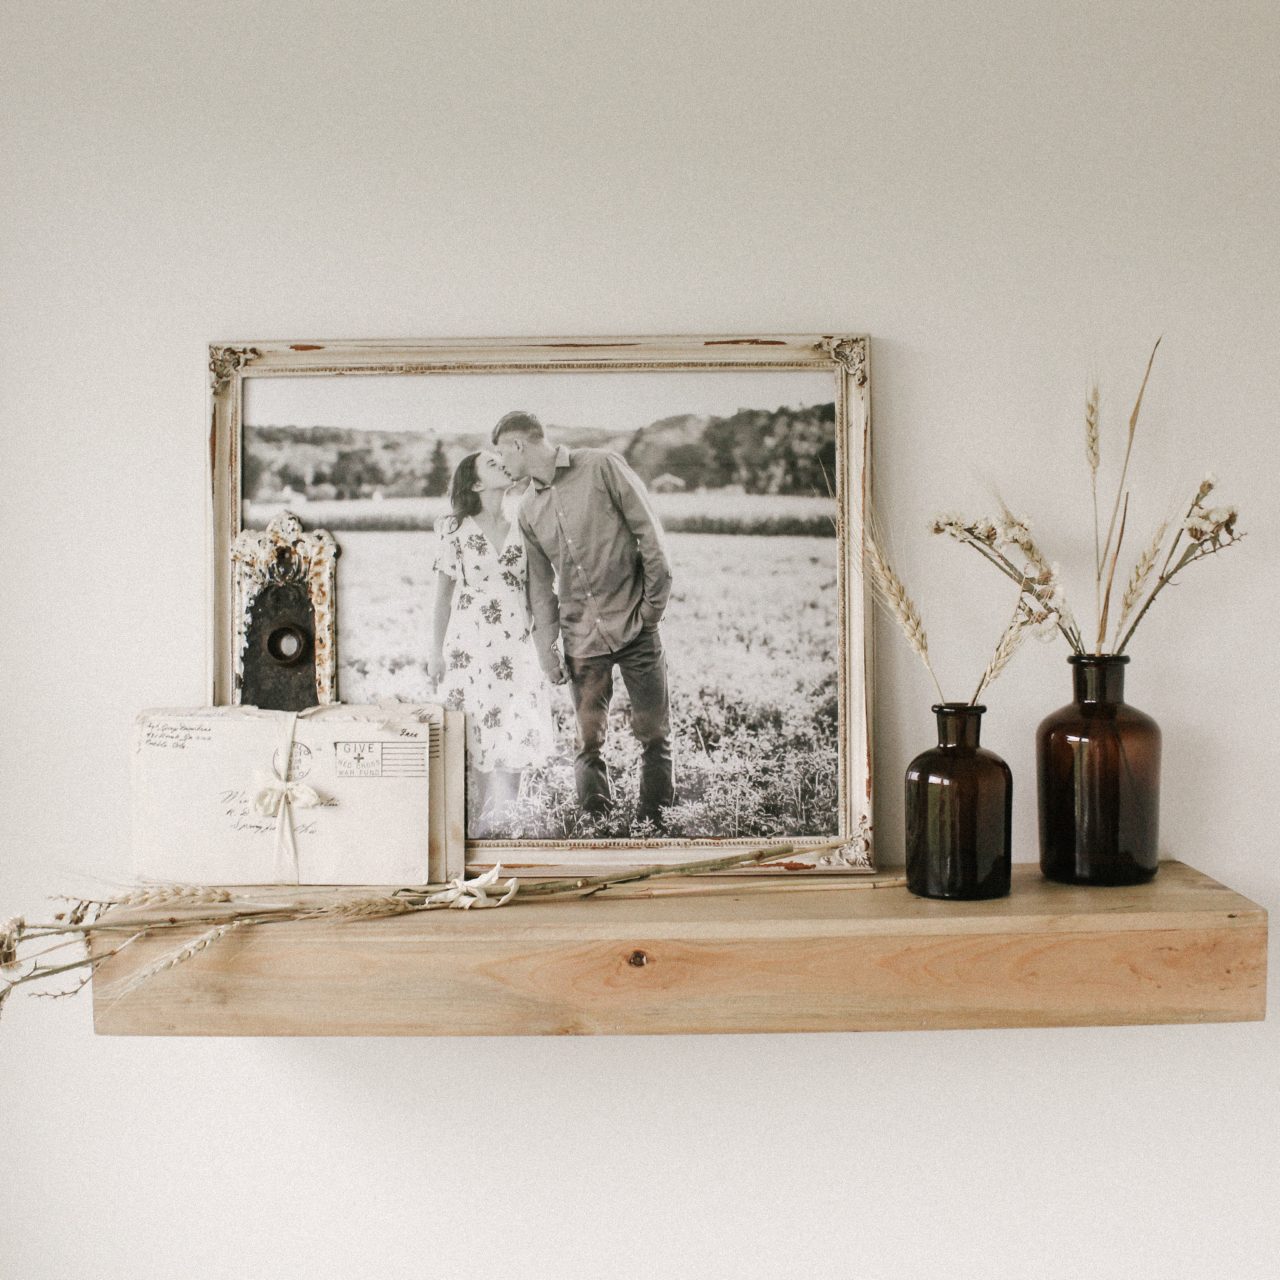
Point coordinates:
[[958, 812], [1098, 761]]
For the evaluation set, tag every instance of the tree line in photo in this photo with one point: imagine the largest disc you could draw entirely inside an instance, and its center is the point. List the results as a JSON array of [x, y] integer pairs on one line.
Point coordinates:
[[789, 451]]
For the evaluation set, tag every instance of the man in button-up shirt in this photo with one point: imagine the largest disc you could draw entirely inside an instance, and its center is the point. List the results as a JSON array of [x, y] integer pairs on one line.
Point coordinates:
[[599, 582]]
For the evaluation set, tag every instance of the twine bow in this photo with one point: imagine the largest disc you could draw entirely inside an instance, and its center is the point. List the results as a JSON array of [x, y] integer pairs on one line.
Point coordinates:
[[465, 894], [276, 797]]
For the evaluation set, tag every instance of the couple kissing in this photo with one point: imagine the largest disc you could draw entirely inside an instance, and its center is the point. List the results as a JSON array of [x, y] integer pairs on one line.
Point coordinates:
[[559, 586]]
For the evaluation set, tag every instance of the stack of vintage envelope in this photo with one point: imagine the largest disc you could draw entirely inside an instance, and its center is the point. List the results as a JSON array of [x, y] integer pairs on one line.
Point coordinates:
[[338, 794]]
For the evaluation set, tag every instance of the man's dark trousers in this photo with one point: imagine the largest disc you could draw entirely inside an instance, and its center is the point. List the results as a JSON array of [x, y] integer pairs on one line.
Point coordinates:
[[644, 672]]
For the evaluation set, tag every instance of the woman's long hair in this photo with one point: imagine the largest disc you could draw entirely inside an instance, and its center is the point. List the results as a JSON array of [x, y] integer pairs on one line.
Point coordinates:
[[463, 498]]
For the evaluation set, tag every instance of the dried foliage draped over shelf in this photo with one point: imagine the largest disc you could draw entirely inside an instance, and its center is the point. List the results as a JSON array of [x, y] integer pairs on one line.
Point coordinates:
[[29, 950]]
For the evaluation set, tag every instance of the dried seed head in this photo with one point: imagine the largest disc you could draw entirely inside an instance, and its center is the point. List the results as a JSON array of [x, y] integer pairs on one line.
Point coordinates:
[[370, 908], [1009, 644], [174, 895], [1091, 435], [1141, 576]]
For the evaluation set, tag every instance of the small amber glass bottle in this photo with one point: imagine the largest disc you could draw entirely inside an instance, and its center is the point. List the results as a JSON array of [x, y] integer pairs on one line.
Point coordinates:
[[959, 806]]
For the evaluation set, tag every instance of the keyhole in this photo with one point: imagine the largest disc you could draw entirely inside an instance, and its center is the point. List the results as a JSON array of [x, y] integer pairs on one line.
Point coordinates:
[[287, 645]]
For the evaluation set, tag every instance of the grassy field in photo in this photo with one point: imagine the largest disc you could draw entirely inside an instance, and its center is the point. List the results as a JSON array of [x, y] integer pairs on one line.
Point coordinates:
[[706, 511], [752, 649]]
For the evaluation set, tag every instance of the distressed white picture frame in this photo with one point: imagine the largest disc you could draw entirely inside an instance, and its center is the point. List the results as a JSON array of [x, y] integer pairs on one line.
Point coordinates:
[[843, 358]]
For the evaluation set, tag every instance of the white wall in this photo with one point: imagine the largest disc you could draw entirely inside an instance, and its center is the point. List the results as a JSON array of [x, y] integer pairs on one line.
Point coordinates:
[[1012, 198]]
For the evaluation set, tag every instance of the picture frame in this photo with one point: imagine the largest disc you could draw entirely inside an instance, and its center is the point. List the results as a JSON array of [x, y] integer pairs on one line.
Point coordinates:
[[759, 444]]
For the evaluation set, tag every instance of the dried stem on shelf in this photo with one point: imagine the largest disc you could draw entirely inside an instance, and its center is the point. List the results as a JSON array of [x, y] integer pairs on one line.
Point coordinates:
[[217, 911]]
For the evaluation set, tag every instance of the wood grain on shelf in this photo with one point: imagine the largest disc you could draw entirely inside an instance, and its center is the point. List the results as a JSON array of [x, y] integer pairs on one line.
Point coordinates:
[[1181, 949]]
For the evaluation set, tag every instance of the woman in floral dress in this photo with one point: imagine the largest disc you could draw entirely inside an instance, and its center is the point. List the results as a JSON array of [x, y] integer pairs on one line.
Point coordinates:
[[483, 660]]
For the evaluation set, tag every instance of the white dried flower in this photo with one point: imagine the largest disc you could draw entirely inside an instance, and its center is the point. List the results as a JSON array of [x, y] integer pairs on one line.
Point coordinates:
[[1216, 525], [1046, 632], [1015, 529], [956, 526], [10, 936], [465, 894]]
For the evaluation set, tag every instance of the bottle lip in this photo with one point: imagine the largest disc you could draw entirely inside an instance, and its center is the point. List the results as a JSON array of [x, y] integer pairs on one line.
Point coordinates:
[[958, 707], [1098, 659]]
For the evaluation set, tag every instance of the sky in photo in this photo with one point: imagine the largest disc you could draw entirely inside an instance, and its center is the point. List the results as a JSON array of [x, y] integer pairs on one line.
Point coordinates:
[[471, 403]]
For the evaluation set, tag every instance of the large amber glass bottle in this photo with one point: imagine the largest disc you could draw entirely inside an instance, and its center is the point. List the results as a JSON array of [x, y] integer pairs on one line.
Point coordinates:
[[1098, 761]]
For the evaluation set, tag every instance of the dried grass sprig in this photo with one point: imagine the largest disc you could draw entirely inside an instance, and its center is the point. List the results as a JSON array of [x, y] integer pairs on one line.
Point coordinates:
[[372, 908], [1140, 576], [225, 913], [1111, 576], [1128, 452], [1093, 455], [173, 895], [1092, 435], [891, 593], [1037, 579], [1008, 545], [1009, 643], [180, 955], [1207, 531]]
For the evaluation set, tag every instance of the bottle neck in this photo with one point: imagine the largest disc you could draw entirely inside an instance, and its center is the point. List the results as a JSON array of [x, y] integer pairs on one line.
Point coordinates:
[[959, 724], [1098, 679]]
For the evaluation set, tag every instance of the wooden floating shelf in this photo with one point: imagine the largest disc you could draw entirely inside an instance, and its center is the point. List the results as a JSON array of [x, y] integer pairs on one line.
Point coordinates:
[[1180, 949]]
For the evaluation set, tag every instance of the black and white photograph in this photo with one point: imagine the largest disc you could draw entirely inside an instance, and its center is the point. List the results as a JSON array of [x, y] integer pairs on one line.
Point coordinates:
[[630, 581]]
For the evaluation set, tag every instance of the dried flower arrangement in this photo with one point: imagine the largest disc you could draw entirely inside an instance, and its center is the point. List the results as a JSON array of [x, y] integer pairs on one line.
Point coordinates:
[[1007, 543], [157, 909], [1030, 614]]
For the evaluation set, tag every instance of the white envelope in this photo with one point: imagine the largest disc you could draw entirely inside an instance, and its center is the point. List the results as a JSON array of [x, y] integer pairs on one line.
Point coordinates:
[[340, 794]]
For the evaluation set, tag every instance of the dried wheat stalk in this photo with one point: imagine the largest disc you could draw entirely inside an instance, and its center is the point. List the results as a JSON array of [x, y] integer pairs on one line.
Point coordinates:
[[1143, 568], [174, 895], [1009, 644], [181, 955], [372, 908], [1092, 436], [891, 592], [224, 912], [1093, 454]]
